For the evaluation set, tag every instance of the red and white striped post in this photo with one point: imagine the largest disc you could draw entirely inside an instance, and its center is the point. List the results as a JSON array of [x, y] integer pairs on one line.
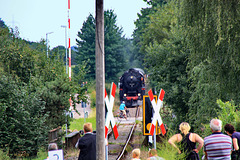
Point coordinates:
[[69, 42], [69, 51]]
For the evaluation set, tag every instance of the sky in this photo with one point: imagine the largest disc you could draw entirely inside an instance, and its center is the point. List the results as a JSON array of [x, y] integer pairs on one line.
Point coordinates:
[[35, 18]]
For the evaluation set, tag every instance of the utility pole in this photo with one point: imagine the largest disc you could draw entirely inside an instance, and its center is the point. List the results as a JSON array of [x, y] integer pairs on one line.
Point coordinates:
[[100, 81]]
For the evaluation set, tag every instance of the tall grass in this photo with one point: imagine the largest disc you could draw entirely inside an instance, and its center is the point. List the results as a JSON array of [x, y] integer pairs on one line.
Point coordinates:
[[77, 124]]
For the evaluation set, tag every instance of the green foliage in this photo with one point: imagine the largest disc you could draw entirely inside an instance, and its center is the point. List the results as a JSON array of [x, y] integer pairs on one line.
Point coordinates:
[[227, 113], [166, 151], [93, 99], [56, 95], [79, 73], [2, 23], [78, 123], [166, 59], [16, 56], [191, 50], [114, 48], [86, 46], [4, 156], [114, 53], [34, 93], [42, 154], [141, 27], [22, 128], [212, 38], [60, 52], [202, 104]]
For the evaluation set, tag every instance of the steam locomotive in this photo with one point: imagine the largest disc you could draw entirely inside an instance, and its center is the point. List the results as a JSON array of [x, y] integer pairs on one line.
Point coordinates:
[[132, 87]]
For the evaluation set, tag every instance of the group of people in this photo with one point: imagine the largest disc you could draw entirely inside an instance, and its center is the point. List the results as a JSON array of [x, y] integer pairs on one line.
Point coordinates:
[[87, 146], [216, 146]]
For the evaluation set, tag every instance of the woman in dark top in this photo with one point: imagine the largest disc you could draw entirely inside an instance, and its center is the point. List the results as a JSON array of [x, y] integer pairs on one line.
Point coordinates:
[[230, 130], [188, 142]]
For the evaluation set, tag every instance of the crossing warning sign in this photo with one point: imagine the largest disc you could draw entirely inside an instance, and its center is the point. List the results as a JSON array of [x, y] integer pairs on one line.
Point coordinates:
[[151, 116], [156, 108], [147, 115], [109, 116]]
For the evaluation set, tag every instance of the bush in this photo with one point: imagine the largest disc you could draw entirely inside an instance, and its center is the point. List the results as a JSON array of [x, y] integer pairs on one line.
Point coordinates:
[[4, 156], [228, 114], [22, 128]]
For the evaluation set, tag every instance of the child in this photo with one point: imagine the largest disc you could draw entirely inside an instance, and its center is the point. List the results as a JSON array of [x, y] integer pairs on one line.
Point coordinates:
[[153, 155], [136, 154]]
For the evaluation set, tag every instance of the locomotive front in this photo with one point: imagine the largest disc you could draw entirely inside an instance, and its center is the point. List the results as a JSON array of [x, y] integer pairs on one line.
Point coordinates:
[[132, 87]]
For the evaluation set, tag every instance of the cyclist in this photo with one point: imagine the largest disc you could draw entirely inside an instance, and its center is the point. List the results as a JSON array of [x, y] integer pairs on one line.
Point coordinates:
[[122, 109]]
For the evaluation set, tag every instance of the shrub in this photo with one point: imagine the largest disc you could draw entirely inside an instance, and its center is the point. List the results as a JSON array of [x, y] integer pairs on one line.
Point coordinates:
[[22, 128], [228, 114], [4, 156]]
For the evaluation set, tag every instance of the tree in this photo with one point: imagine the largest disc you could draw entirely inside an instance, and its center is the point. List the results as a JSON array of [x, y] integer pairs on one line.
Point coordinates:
[[114, 57], [2, 24], [212, 34], [166, 59], [17, 57], [34, 93], [22, 129], [129, 55], [141, 25], [59, 52], [86, 46], [56, 94]]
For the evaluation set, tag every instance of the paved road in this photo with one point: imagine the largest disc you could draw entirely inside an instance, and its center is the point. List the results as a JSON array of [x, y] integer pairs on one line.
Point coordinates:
[[81, 110]]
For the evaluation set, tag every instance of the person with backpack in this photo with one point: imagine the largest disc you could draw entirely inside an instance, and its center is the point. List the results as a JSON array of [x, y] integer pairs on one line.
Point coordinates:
[[187, 142]]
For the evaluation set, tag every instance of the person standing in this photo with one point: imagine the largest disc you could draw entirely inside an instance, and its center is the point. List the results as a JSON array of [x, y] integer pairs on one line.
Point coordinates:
[[230, 130], [188, 142], [87, 144], [217, 145], [153, 155]]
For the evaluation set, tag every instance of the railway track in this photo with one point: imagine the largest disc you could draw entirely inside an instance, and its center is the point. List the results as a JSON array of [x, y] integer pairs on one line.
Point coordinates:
[[117, 148]]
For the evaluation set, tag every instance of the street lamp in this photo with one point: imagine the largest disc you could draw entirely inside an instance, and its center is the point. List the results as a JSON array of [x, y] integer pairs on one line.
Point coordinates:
[[65, 44], [47, 41], [67, 113]]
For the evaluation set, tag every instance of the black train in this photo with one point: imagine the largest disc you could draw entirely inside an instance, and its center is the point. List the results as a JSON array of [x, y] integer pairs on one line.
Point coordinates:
[[132, 87]]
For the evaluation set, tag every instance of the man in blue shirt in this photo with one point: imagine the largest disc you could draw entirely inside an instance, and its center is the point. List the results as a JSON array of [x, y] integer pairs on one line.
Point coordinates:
[[122, 109]]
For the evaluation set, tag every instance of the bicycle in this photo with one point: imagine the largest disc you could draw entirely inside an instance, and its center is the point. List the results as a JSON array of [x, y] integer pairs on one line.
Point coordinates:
[[120, 115]]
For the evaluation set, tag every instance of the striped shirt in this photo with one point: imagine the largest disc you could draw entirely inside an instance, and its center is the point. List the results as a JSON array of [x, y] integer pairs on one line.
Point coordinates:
[[218, 146]]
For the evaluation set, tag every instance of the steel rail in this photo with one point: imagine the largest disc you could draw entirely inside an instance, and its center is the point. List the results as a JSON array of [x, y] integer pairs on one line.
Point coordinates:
[[129, 136]]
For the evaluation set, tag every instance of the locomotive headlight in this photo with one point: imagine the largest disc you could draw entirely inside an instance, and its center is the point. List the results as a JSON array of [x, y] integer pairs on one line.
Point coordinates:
[[139, 94], [125, 94]]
